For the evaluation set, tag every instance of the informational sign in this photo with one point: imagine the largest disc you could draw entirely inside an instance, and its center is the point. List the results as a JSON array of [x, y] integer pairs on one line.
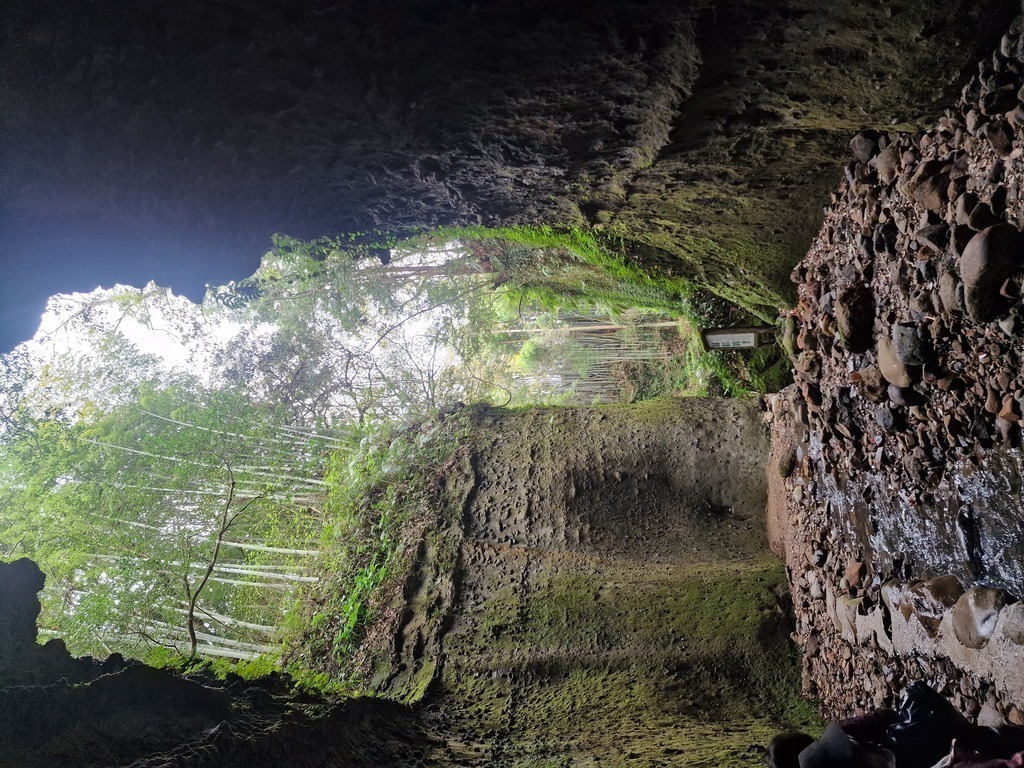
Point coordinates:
[[739, 338]]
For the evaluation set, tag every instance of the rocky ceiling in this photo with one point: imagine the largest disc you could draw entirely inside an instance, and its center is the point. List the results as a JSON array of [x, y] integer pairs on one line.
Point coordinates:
[[174, 138]]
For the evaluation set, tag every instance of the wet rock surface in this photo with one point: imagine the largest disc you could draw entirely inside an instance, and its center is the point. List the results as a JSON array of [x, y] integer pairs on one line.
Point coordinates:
[[906, 540]]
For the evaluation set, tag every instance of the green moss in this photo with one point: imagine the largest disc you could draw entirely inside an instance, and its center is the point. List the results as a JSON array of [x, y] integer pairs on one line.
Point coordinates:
[[700, 685], [423, 678], [580, 265], [382, 492], [500, 614]]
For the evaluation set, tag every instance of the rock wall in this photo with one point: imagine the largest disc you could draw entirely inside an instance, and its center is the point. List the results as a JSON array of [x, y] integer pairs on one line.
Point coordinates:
[[611, 600], [904, 461], [178, 137], [595, 591]]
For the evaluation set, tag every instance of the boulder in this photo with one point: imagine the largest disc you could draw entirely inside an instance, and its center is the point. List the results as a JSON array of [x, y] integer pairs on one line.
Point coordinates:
[[1013, 623], [1000, 136], [975, 615], [870, 383], [929, 600], [855, 313], [965, 205], [865, 145], [933, 237], [887, 164], [893, 369], [949, 292], [845, 617], [982, 217], [990, 717], [909, 345], [932, 194], [990, 258], [855, 570], [905, 397]]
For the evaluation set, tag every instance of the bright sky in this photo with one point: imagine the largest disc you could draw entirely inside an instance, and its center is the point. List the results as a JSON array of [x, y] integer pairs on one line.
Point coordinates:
[[59, 334], [183, 337], [170, 327]]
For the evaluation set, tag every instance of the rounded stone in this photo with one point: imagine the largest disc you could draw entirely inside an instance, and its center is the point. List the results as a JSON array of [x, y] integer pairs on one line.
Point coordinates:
[[949, 292], [990, 258], [1013, 623], [908, 345], [905, 397], [929, 600], [893, 369], [975, 615], [854, 311]]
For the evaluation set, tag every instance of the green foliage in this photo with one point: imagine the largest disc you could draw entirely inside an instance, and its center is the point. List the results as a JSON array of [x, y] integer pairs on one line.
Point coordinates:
[[263, 665], [363, 338], [478, 281], [124, 489], [260, 667], [162, 657], [570, 266], [127, 510], [383, 487], [352, 613], [530, 355]]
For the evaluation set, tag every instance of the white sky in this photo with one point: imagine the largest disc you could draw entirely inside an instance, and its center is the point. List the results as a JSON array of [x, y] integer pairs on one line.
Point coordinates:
[[178, 333], [165, 328]]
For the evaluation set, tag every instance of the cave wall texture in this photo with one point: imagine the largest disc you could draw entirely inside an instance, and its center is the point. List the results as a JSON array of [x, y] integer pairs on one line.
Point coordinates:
[[179, 136]]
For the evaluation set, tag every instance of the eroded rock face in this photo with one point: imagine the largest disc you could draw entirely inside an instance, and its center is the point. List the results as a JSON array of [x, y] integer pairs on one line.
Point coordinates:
[[22, 659], [20, 581], [853, 310], [184, 133], [604, 554]]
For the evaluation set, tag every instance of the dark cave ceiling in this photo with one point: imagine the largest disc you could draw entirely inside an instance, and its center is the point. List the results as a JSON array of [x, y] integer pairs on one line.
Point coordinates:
[[152, 140]]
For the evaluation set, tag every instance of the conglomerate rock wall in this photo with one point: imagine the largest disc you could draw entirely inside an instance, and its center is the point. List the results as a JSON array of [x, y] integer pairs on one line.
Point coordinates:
[[903, 469]]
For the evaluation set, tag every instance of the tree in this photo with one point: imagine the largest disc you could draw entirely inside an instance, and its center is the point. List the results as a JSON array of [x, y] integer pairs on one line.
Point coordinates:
[[388, 337], [179, 498], [185, 516]]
